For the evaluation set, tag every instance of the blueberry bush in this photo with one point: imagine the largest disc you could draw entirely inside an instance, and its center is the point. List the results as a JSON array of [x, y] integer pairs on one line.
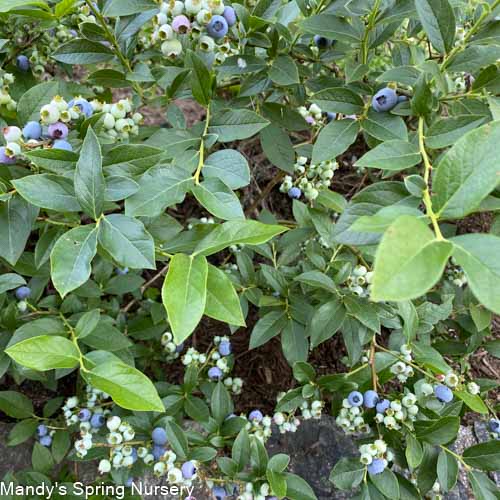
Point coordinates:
[[120, 238]]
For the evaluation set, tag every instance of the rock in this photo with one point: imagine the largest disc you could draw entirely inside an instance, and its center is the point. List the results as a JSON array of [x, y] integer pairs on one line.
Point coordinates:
[[314, 449]]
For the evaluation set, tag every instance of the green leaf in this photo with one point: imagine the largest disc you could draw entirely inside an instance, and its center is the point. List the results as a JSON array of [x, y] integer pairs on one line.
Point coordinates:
[[445, 132], [473, 401], [71, 258], [414, 452], [334, 139], [236, 124], [467, 173], [16, 220], [128, 387], [240, 452], [49, 191], [120, 8], [41, 459], [200, 79], [184, 293], [438, 21], [339, 100], [22, 431], [220, 403], [82, 51], [33, 99], [7, 5], [176, 439], [386, 483], [330, 26], [436, 432], [385, 127], [89, 178], [473, 58], [267, 327], [45, 352], [159, 188], [127, 241], [9, 281], [298, 489], [87, 323], [218, 199], [277, 482], [409, 261], [237, 232], [447, 470], [294, 342], [16, 405], [278, 147], [61, 444], [284, 71], [347, 473], [482, 486], [483, 456], [222, 303], [391, 155], [478, 254], [228, 165], [325, 322]]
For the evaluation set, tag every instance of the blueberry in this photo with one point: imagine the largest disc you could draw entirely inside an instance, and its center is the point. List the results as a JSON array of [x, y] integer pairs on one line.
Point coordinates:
[[383, 405], [217, 27], [4, 159], [42, 430], [22, 63], [158, 452], [229, 15], [402, 98], [84, 415], [97, 420], [494, 425], [181, 24], [219, 492], [443, 393], [83, 105], [129, 482], [122, 271], [188, 470], [377, 466], [23, 292], [370, 399], [355, 398], [32, 130], [225, 348], [134, 455], [215, 373], [61, 144], [384, 100], [180, 347], [321, 42], [58, 130], [159, 436], [46, 441], [330, 116], [255, 416], [295, 193]]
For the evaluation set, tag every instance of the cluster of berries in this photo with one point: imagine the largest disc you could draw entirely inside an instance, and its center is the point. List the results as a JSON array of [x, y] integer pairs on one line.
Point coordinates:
[[286, 423], [376, 456], [205, 20], [259, 425], [401, 369], [455, 274], [22, 294], [6, 100], [386, 99], [173, 351], [310, 178], [313, 115], [312, 410], [44, 435], [392, 413], [350, 417], [359, 281]]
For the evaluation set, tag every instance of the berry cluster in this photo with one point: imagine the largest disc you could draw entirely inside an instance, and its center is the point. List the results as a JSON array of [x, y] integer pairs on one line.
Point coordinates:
[[309, 179], [392, 413], [359, 281], [203, 21], [22, 294], [350, 417], [6, 100], [173, 351], [401, 369], [314, 116], [375, 456], [44, 435]]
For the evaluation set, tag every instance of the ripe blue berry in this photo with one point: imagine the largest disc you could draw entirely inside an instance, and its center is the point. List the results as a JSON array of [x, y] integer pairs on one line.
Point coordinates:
[[83, 105], [188, 470], [383, 405], [384, 100], [46, 441], [295, 193], [42, 430], [215, 373], [494, 425], [321, 42], [32, 130], [255, 416], [443, 393], [219, 492], [159, 436], [23, 292], [370, 399], [4, 159], [330, 116], [84, 415], [122, 271], [58, 130], [61, 144], [180, 347], [129, 482], [225, 348], [217, 27], [158, 451], [377, 466], [355, 398], [22, 63], [229, 15], [97, 420]]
